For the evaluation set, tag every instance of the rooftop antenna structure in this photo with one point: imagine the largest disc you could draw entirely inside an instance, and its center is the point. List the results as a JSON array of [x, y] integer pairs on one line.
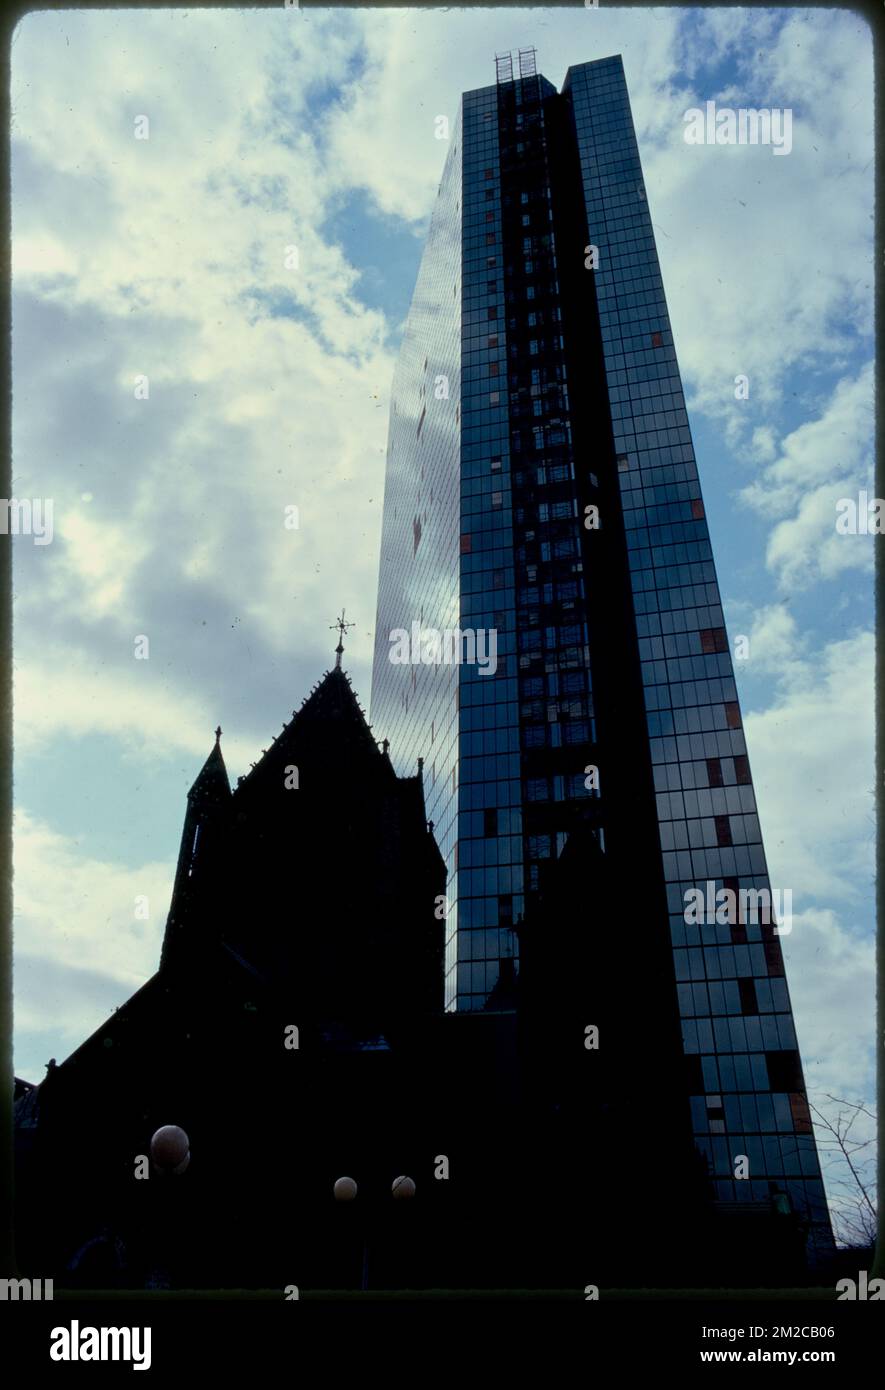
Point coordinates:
[[504, 67], [527, 64]]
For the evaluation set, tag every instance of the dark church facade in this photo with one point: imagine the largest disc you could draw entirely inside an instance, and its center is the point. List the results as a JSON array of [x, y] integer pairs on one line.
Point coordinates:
[[295, 1031]]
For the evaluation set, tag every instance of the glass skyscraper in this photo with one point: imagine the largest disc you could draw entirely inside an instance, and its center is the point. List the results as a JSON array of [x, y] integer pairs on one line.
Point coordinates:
[[542, 486]]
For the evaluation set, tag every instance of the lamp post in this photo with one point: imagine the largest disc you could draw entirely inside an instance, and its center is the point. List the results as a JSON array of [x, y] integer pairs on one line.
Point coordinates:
[[170, 1152], [345, 1189]]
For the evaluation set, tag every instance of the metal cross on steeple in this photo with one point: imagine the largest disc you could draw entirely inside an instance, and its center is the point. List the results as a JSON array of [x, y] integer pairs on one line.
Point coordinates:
[[342, 627]]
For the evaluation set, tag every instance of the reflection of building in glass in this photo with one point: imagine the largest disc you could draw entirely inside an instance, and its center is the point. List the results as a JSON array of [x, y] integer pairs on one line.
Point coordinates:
[[541, 482]]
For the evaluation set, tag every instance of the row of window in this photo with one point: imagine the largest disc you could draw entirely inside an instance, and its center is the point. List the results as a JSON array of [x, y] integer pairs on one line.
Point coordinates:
[[763, 1033]]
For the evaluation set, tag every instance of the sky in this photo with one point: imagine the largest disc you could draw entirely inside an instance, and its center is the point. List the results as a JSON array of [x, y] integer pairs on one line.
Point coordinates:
[[268, 387]]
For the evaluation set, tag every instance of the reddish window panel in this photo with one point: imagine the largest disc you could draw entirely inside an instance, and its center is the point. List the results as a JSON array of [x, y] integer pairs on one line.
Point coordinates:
[[490, 238], [493, 341], [490, 173], [697, 508], [714, 772], [492, 312], [490, 217], [732, 715], [657, 340], [723, 830], [465, 545], [493, 369], [742, 769], [713, 639], [800, 1112]]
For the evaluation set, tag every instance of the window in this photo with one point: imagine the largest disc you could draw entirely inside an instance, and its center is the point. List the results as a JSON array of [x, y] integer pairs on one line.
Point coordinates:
[[657, 340], [715, 1114], [714, 772], [774, 959], [496, 465], [784, 1071], [742, 769], [713, 639], [723, 830], [748, 996], [490, 822], [800, 1113]]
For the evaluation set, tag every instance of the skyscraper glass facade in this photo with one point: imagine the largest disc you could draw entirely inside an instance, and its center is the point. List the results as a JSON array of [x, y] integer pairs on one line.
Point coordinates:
[[547, 489]]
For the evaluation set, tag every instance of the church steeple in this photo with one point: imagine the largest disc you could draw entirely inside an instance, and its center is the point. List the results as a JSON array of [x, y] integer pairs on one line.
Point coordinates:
[[209, 794], [211, 785]]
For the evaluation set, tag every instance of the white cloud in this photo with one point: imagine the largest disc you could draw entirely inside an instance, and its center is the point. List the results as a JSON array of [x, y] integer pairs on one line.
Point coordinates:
[[818, 463], [831, 975], [812, 753], [75, 916]]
